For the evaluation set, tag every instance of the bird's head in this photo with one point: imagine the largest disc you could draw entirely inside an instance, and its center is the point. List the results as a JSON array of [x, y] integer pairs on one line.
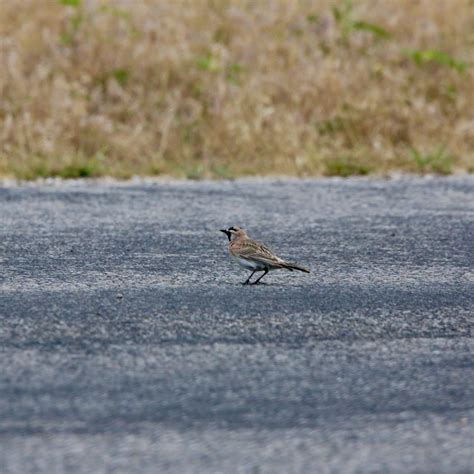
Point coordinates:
[[233, 232]]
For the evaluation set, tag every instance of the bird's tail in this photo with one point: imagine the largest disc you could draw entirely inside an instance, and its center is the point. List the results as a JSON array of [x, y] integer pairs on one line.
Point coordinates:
[[294, 266]]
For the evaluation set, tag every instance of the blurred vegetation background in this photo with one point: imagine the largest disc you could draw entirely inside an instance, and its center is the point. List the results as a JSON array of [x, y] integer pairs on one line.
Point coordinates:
[[221, 88]]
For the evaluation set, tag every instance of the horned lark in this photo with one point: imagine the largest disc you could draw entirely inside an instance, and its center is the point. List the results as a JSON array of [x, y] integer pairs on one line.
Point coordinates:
[[254, 256]]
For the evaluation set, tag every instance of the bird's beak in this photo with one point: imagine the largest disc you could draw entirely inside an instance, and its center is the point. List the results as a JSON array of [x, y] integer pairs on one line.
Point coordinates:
[[226, 232]]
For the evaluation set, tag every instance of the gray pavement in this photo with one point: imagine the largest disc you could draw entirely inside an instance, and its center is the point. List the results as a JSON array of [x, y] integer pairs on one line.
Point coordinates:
[[127, 343]]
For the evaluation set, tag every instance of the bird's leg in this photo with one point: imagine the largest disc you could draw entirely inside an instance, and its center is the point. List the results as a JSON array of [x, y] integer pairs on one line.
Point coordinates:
[[259, 278], [247, 281]]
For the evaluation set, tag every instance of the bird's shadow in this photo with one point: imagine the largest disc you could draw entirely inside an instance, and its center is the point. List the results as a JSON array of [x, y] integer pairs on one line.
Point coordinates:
[[263, 284]]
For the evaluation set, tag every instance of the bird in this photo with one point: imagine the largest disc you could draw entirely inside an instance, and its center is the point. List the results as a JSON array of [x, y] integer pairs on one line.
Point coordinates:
[[254, 256]]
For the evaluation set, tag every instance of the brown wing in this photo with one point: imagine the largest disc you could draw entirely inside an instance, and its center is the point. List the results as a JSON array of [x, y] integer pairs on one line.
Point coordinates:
[[253, 250]]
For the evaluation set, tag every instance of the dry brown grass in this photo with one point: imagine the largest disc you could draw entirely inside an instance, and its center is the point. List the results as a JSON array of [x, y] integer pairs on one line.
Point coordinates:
[[225, 88]]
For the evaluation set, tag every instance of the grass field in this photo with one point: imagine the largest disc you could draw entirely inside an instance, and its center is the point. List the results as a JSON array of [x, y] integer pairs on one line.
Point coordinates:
[[223, 88]]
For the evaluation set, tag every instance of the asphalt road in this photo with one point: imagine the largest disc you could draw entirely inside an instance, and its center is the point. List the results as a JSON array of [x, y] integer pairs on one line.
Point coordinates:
[[127, 343]]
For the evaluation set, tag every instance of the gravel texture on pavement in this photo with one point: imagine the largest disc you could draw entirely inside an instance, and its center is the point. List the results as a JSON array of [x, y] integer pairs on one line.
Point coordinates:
[[128, 344]]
